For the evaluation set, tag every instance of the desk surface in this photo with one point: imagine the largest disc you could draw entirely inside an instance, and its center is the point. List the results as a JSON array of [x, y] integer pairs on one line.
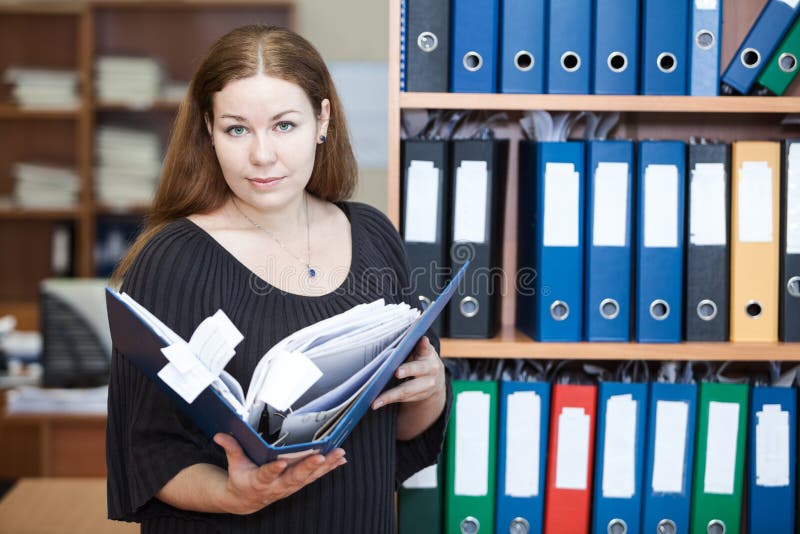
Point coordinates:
[[59, 505]]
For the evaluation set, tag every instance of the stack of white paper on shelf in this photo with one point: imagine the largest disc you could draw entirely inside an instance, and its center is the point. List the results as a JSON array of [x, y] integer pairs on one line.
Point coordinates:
[[45, 186], [30, 399], [43, 88], [136, 81], [129, 162]]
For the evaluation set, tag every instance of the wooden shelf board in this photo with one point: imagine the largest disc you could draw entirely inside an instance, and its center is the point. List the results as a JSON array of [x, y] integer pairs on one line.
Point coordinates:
[[634, 103], [190, 4], [22, 7], [159, 105], [26, 312], [38, 213], [10, 111], [513, 344], [103, 209]]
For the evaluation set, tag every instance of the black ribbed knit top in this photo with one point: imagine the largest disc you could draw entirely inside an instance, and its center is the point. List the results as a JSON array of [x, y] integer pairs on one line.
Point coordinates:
[[183, 275]]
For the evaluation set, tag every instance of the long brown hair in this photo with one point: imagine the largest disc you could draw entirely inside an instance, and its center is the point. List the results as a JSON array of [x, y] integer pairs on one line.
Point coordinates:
[[191, 178]]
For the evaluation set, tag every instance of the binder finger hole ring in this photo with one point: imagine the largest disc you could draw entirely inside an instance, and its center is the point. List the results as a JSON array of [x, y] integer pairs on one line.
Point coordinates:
[[570, 61], [609, 309], [472, 61], [469, 307], [559, 310], [793, 286], [750, 58], [704, 39], [424, 302], [519, 525], [787, 62], [667, 62], [706, 309], [427, 41], [753, 309], [523, 60], [470, 525], [666, 526], [715, 526], [617, 526], [617, 61], [659, 309]]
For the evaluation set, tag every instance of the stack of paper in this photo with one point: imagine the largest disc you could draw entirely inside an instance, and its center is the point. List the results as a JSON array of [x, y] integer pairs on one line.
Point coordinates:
[[29, 399], [44, 88], [129, 162], [135, 81], [45, 186]]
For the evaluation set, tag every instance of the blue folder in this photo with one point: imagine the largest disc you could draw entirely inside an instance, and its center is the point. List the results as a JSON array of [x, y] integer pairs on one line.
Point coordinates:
[[659, 247], [664, 42], [617, 498], [569, 55], [667, 506], [134, 339], [609, 258], [757, 48], [706, 39], [522, 46], [475, 28], [771, 489], [616, 47], [552, 253], [523, 507]]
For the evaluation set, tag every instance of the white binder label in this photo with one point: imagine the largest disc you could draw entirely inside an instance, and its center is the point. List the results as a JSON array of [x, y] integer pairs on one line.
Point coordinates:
[[661, 206], [707, 217], [523, 425], [472, 444], [672, 418], [619, 447], [422, 202], [793, 200], [425, 479], [772, 446], [723, 429], [755, 202], [791, 3], [472, 190], [610, 209], [561, 195], [572, 462], [705, 4]]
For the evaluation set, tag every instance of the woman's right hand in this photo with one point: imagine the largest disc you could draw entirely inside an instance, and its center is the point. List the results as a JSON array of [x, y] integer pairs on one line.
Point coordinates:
[[250, 487]]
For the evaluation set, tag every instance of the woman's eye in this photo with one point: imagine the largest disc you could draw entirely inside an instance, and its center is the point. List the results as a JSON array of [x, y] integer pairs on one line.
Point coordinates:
[[285, 126], [237, 131]]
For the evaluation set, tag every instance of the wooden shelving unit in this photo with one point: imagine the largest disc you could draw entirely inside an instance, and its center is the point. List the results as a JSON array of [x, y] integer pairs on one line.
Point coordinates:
[[70, 35], [658, 117]]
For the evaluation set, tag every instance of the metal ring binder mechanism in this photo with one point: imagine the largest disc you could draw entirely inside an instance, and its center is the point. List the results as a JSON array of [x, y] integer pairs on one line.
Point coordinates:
[[666, 526], [609, 309], [667, 62], [617, 526], [705, 39], [787, 62], [519, 525], [753, 309], [559, 310], [570, 61], [473, 61], [659, 309], [469, 307], [617, 61], [715, 526], [706, 309], [750, 58], [427, 41], [424, 302], [793, 286], [470, 525], [524, 61]]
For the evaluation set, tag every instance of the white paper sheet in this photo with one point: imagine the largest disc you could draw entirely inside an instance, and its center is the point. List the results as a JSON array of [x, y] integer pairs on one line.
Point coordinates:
[[793, 201], [572, 462], [755, 202], [523, 428], [472, 190], [291, 374], [425, 479], [561, 196], [422, 202], [181, 356], [791, 3], [214, 341], [472, 444], [670, 446], [705, 4], [723, 429], [619, 453], [772, 447], [707, 217], [661, 206], [610, 204], [189, 384]]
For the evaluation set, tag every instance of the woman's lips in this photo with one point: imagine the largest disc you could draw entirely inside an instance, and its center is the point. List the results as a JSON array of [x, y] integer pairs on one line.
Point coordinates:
[[265, 182]]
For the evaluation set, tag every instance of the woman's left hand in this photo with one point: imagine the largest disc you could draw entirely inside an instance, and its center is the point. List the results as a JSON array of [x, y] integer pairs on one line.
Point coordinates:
[[425, 371]]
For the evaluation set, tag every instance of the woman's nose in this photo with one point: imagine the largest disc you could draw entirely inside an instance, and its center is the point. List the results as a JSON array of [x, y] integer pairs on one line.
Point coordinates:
[[262, 150]]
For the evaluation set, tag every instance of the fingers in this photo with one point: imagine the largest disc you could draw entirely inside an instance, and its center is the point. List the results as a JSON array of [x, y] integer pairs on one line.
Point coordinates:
[[411, 391], [237, 459], [311, 468]]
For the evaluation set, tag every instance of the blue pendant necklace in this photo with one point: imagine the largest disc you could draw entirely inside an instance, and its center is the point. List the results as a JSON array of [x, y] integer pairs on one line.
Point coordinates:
[[311, 271]]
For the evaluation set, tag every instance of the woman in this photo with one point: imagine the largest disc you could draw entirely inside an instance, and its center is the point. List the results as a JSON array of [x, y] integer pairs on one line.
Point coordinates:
[[250, 218]]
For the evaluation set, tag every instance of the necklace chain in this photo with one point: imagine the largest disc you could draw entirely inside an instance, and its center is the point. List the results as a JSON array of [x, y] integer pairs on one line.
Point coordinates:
[[307, 262]]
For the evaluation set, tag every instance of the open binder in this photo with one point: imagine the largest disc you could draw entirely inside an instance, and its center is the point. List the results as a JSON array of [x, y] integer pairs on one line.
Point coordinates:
[[320, 429]]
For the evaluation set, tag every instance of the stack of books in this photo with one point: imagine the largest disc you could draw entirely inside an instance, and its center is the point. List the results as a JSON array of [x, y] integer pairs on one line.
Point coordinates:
[[45, 186], [43, 88], [129, 162], [135, 81]]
